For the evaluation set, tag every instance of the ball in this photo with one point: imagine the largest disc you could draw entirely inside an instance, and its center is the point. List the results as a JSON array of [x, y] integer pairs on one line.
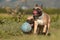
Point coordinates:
[[26, 27]]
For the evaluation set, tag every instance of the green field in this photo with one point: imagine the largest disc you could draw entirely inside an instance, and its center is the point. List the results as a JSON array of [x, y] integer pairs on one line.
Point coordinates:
[[10, 28]]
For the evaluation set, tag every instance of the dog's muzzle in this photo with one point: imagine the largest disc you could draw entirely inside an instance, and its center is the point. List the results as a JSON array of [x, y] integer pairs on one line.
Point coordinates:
[[35, 12]]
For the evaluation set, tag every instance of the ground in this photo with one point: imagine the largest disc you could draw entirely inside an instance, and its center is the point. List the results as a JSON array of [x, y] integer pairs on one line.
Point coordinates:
[[54, 30]]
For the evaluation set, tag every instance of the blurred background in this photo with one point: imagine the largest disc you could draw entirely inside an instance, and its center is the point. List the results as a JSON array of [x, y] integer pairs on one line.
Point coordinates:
[[30, 3]]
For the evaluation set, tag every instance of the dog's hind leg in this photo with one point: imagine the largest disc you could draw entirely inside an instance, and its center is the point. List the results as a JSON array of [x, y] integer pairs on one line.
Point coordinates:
[[44, 29], [48, 28]]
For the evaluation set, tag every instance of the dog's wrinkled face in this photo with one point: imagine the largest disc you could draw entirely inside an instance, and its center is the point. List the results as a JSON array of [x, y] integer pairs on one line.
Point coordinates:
[[37, 12]]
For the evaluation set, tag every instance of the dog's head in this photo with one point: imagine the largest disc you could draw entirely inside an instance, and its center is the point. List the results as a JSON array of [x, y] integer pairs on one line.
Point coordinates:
[[37, 11]]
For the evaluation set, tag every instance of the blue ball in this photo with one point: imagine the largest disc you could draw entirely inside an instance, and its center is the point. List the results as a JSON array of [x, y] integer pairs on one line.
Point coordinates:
[[26, 27]]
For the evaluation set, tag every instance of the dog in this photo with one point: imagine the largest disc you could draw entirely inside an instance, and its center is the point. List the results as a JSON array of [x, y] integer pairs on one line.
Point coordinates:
[[42, 19]]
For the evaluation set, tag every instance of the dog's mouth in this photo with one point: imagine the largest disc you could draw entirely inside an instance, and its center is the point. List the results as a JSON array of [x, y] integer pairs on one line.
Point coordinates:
[[35, 12]]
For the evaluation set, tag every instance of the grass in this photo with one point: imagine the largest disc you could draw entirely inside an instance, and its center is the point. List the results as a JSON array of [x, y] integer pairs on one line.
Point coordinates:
[[10, 28], [54, 36]]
